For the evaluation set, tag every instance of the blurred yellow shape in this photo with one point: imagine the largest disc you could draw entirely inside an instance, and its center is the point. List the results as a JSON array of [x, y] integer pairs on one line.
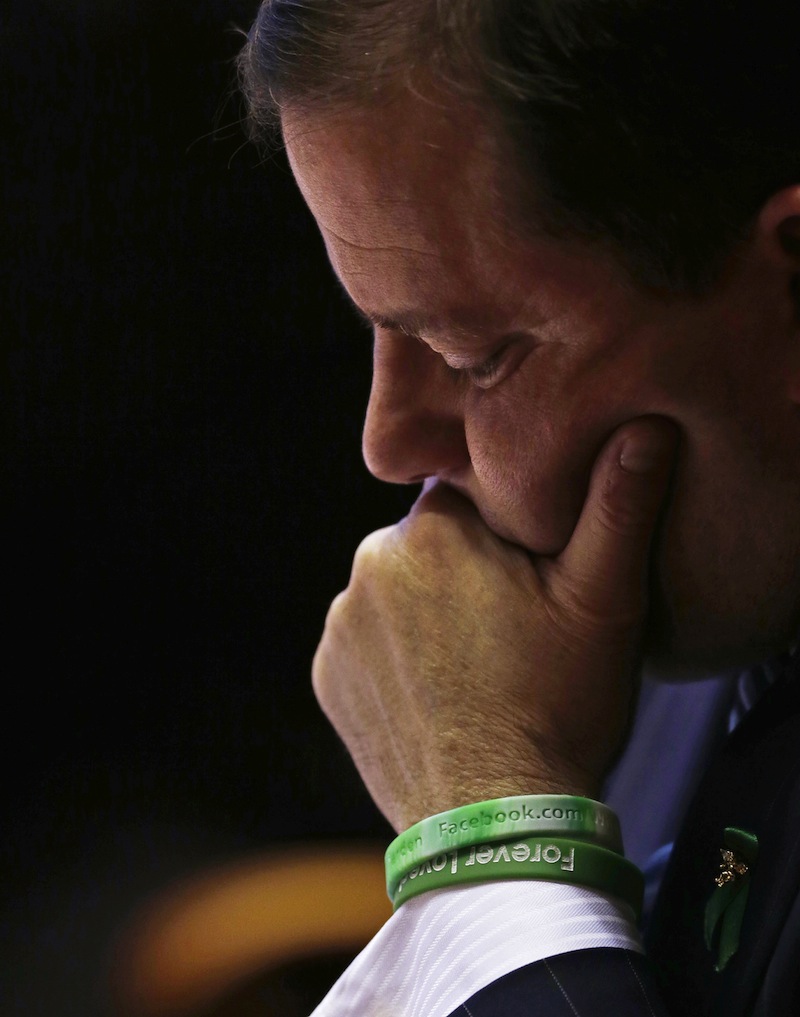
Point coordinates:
[[199, 939]]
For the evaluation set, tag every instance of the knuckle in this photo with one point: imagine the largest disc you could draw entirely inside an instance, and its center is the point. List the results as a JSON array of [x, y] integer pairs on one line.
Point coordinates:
[[371, 549], [335, 615], [319, 678], [337, 605], [320, 666], [575, 620], [619, 514], [429, 535], [592, 613]]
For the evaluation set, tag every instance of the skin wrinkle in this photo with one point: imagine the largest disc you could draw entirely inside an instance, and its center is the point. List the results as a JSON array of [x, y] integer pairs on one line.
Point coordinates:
[[376, 249], [452, 323]]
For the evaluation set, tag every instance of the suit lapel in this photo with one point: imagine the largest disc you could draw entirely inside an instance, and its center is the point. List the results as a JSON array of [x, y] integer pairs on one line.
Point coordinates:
[[753, 784]]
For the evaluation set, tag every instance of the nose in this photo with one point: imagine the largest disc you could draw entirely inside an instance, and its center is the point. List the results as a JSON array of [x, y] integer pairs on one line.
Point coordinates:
[[414, 427]]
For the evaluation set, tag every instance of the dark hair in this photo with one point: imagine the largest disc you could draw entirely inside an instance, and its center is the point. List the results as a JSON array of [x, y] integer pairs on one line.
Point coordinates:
[[658, 127]]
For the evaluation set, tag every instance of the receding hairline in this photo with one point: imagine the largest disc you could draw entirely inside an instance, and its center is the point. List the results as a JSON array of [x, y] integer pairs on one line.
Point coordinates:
[[524, 214], [517, 200], [571, 88]]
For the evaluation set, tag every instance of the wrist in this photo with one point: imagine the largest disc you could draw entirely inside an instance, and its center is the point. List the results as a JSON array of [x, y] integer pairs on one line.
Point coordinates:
[[560, 860], [566, 838], [487, 788], [501, 819]]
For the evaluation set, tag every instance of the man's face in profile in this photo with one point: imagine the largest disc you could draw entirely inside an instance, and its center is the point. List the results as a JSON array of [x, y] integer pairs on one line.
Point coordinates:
[[504, 360]]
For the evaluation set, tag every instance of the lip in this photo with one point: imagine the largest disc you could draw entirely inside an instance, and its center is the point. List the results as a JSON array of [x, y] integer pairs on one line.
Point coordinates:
[[489, 518], [493, 521]]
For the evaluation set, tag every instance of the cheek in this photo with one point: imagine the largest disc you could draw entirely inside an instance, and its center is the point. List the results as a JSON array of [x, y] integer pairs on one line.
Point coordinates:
[[728, 557], [531, 459], [534, 440]]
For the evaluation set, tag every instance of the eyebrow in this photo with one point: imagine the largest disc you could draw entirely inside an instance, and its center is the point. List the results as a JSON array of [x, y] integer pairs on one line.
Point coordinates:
[[415, 324]]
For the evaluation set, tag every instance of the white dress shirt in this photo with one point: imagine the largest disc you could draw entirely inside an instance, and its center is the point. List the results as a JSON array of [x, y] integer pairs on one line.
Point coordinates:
[[442, 947]]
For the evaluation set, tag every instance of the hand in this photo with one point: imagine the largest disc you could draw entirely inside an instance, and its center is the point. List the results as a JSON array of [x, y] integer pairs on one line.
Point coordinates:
[[457, 668]]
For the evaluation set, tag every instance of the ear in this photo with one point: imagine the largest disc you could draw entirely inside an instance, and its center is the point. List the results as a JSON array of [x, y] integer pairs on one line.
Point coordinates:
[[777, 235], [778, 232]]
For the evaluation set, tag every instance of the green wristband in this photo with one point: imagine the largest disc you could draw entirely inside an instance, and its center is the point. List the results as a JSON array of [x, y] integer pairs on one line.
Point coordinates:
[[560, 860], [502, 819]]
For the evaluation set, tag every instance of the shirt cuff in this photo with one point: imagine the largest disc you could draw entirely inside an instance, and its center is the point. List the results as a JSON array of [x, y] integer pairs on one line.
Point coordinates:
[[442, 947]]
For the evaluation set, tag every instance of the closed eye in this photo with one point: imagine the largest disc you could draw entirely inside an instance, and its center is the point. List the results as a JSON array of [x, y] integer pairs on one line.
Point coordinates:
[[484, 375]]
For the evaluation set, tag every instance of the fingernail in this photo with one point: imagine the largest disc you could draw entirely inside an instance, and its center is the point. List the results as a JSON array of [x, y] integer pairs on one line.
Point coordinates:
[[639, 455]]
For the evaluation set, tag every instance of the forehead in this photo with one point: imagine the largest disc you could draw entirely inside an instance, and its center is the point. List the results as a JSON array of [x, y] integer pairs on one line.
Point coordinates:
[[415, 204], [407, 191], [403, 157]]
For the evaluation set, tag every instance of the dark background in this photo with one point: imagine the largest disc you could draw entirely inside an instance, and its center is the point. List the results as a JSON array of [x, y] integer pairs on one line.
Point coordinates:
[[185, 483]]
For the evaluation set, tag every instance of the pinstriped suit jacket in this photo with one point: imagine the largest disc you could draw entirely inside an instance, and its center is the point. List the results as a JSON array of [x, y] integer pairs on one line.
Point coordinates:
[[754, 784]]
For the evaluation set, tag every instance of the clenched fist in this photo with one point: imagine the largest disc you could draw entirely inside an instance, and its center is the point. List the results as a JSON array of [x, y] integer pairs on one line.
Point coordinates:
[[457, 668]]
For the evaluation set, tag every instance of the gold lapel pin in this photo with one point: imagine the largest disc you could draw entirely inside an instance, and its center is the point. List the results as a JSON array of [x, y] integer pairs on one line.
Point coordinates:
[[731, 867], [726, 906]]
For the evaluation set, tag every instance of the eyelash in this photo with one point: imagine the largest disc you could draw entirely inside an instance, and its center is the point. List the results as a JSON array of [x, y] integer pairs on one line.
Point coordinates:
[[483, 375], [480, 375]]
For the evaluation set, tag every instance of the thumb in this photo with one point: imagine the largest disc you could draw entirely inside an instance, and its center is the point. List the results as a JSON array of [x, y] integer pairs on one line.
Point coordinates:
[[603, 570]]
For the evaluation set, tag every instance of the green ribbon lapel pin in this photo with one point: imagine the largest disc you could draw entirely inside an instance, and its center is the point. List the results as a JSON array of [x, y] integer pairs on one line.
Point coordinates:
[[725, 909]]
